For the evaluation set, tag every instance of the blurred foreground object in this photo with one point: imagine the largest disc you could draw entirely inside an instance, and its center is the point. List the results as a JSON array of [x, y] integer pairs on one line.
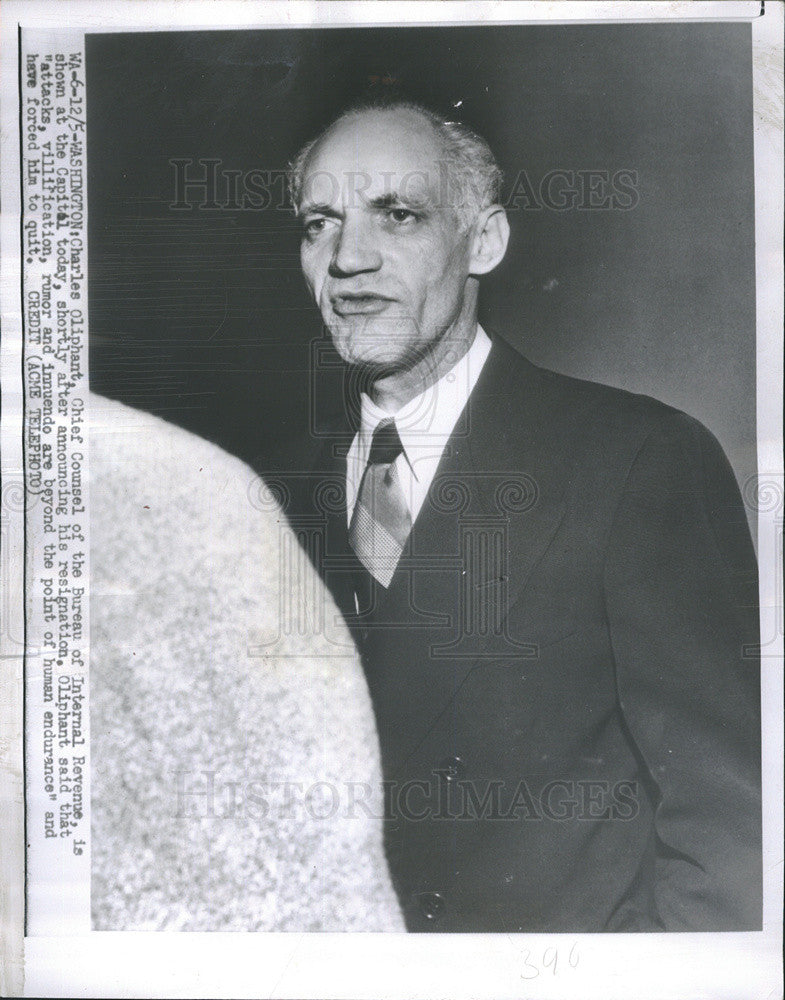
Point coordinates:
[[235, 768]]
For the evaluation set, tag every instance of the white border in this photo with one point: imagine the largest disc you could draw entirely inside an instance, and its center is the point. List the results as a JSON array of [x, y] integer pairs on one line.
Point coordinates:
[[493, 966], [146, 15]]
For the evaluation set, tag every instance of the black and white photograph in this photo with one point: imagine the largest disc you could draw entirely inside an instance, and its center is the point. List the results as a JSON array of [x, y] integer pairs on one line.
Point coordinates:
[[552, 584], [402, 495]]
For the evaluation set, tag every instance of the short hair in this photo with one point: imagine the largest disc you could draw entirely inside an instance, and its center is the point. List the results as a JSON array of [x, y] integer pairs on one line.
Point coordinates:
[[473, 171]]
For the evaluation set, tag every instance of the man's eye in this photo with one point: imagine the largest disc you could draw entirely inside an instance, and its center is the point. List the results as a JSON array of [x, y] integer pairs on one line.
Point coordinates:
[[315, 226], [401, 215]]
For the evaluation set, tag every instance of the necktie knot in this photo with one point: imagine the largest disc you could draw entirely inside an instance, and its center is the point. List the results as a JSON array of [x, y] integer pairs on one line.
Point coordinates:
[[385, 445]]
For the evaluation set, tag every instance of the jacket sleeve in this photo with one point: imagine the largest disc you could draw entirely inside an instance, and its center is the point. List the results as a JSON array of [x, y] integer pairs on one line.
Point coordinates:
[[681, 598]]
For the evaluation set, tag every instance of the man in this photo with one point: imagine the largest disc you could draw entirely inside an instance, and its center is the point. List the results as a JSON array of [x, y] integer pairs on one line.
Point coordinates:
[[552, 581]]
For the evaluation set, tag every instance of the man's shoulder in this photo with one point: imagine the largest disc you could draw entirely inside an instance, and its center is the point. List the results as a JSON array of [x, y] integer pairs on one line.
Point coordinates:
[[584, 411]]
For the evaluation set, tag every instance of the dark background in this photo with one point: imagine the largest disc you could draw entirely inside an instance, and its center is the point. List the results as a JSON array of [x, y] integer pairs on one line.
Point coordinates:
[[202, 316]]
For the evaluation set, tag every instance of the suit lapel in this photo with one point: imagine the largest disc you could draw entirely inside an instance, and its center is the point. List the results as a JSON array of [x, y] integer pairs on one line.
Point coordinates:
[[317, 512], [493, 509], [339, 562]]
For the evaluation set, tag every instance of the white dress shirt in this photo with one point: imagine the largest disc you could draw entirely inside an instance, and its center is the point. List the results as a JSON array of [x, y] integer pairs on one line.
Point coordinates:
[[424, 426]]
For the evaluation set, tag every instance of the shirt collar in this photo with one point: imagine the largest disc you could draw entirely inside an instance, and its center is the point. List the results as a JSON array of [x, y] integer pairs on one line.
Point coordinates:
[[426, 422]]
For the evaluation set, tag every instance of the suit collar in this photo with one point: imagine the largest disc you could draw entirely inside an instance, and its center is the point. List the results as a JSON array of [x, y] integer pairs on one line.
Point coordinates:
[[494, 494], [495, 477]]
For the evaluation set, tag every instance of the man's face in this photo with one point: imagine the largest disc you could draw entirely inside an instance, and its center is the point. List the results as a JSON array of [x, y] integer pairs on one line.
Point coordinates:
[[382, 252]]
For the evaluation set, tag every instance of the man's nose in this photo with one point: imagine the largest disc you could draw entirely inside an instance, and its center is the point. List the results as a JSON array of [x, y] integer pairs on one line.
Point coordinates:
[[356, 250]]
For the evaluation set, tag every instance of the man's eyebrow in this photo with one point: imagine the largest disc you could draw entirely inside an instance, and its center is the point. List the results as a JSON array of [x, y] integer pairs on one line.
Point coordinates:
[[318, 208], [391, 199]]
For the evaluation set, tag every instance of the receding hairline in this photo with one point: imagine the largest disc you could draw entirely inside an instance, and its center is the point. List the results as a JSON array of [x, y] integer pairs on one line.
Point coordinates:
[[414, 111], [477, 173]]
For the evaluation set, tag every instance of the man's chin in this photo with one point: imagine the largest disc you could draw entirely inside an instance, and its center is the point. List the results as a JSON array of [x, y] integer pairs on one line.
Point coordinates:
[[383, 349]]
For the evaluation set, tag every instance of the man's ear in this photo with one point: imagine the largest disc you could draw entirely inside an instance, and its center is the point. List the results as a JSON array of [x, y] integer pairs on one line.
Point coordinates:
[[489, 244]]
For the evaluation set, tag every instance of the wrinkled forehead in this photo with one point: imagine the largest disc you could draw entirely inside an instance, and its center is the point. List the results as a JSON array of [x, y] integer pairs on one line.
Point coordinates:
[[373, 155]]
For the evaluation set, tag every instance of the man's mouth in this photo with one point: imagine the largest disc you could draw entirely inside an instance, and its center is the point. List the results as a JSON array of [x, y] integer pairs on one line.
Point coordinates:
[[359, 303]]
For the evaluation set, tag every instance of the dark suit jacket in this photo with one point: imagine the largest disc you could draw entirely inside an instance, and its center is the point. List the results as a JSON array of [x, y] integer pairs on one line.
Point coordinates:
[[564, 669]]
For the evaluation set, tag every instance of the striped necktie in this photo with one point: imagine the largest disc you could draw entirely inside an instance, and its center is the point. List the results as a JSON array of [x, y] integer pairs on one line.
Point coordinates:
[[381, 521]]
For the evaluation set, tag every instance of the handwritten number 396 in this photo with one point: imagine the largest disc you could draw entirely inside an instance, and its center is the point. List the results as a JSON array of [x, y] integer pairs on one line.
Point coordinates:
[[550, 960]]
